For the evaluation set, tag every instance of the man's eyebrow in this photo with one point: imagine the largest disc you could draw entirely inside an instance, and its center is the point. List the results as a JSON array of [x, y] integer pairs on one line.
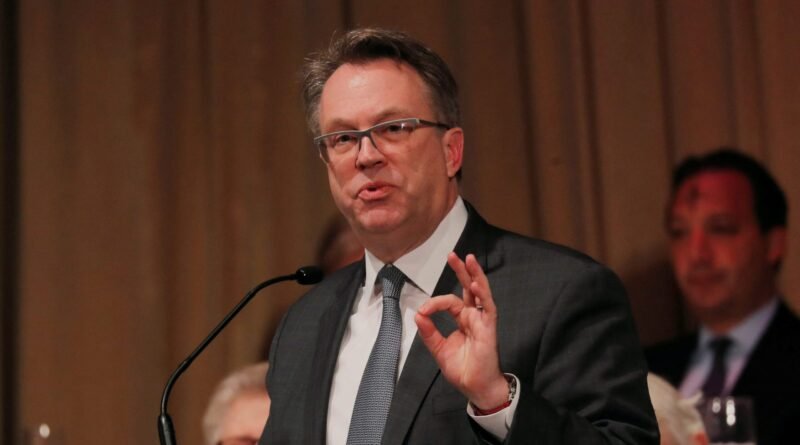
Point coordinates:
[[338, 124], [341, 124]]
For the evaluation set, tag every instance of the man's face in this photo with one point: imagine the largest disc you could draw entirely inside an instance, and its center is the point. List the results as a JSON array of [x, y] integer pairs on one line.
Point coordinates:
[[390, 194], [243, 422], [723, 263]]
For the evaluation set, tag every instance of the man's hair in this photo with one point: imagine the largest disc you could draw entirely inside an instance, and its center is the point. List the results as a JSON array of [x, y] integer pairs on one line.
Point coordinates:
[[251, 378], [769, 201], [364, 45]]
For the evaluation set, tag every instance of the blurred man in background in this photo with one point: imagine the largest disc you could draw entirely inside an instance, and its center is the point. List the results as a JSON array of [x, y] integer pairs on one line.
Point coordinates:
[[338, 246], [726, 222], [238, 408]]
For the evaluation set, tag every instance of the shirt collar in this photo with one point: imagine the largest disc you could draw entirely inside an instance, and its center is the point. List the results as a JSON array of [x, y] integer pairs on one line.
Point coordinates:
[[746, 334], [425, 263]]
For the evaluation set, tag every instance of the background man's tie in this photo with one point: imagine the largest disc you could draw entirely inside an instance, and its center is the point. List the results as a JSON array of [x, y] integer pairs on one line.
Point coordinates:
[[716, 378], [377, 385]]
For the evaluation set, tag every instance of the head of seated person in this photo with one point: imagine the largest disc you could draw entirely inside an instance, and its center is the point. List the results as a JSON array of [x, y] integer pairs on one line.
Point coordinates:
[[238, 408], [727, 227]]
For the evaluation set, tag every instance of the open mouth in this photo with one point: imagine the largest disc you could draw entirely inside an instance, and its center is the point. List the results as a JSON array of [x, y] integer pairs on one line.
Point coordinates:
[[374, 191]]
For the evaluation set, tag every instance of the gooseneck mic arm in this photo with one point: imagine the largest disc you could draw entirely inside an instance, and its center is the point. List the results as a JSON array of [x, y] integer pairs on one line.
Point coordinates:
[[166, 432]]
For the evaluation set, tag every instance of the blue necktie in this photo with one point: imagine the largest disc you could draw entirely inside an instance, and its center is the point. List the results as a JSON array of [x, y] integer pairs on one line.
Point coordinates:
[[377, 384]]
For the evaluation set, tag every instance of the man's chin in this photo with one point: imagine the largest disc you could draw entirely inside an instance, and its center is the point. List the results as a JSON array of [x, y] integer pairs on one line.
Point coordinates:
[[378, 221], [707, 304]]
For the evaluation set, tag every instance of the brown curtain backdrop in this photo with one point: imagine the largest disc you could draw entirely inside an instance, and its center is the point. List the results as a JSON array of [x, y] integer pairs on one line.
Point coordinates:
[[164, 166]]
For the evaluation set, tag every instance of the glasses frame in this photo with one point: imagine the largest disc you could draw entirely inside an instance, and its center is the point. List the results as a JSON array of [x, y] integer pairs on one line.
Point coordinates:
[[359, 134]]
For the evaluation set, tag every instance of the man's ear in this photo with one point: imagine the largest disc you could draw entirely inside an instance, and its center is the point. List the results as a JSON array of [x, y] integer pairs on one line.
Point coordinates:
[[776, 245], [453, 150]]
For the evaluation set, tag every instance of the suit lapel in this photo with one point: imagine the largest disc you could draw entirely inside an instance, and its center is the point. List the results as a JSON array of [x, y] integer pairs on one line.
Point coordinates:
[[753, 377], [420, 369], [332, 326], [677, 365]]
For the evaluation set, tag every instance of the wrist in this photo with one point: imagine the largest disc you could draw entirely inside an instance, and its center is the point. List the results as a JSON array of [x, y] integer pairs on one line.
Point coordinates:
[[509, 385]]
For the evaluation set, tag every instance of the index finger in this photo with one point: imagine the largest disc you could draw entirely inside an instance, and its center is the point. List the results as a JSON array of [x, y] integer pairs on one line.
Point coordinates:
[[460, 268], [480, 283]]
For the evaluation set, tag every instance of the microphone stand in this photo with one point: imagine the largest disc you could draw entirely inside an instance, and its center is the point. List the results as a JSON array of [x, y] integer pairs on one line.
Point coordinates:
[[166, 431]]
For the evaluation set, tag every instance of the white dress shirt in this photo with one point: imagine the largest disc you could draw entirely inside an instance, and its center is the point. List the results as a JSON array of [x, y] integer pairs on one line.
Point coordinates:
[[744, 338], [422, 266]]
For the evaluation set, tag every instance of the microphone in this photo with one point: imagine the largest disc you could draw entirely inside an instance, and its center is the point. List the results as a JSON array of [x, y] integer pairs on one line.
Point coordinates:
[[166, 432]]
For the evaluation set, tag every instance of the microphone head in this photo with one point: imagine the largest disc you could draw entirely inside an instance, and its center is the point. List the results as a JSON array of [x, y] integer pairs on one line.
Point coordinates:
[[309, 275]]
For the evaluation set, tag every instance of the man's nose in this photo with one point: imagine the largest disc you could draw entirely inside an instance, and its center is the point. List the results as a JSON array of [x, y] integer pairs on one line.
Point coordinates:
[[368, 154], [699, 246]]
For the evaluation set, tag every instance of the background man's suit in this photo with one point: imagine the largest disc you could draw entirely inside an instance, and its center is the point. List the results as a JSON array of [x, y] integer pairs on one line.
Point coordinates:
[[564, 329], [771, 376]]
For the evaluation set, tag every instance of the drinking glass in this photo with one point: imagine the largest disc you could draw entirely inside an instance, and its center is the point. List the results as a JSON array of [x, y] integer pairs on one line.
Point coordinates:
[[729, 420]]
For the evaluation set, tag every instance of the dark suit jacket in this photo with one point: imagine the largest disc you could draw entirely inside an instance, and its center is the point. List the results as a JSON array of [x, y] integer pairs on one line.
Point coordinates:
[[564, 329], [771, 376]]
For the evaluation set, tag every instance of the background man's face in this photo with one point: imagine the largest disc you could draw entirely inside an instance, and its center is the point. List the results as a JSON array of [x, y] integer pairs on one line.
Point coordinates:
[[405, 189], [244, 420], [722, 261]]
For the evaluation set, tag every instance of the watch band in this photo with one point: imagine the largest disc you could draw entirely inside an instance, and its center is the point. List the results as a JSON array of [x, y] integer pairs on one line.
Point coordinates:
[[512, 392]]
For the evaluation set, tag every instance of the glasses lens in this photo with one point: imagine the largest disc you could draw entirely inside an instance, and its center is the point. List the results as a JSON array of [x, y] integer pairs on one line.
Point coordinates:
[[343, 141], [395, 131], [335, 144]]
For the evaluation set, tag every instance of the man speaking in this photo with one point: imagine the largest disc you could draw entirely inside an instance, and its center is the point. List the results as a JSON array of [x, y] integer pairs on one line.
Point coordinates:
[[450, 330]]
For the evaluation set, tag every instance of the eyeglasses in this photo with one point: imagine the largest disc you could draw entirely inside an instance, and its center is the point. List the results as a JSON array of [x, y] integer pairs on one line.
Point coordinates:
[[340, 143]]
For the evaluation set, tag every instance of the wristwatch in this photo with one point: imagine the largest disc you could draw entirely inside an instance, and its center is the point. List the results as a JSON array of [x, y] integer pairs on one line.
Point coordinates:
[[512, 392]]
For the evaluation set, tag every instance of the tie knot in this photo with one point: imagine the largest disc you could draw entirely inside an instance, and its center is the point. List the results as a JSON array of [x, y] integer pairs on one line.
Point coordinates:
[[392, 280], [720, 345]]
